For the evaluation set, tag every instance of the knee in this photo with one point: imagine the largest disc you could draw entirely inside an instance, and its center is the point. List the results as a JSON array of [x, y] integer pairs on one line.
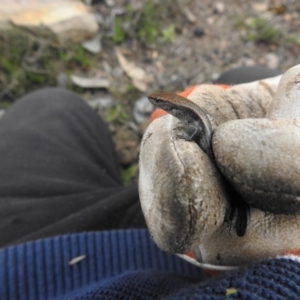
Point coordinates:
[[52, 99]]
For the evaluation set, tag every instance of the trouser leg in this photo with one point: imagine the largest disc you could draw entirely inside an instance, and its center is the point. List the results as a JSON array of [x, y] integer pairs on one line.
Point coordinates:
[[59, 171], [246, 74]]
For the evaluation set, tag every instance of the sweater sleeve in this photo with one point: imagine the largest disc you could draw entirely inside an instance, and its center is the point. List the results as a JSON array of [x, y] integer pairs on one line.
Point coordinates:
[[57, 267], [127, 265]]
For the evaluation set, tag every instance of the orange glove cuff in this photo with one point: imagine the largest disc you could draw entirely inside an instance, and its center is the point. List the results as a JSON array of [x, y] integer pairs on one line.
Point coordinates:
[[159, 112]]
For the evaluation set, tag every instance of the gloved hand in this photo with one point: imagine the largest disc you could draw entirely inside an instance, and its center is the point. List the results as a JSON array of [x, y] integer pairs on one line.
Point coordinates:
[[241, 203]]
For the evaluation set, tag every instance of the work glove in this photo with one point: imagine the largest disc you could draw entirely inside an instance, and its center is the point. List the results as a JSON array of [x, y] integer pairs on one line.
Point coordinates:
[[235, 200]]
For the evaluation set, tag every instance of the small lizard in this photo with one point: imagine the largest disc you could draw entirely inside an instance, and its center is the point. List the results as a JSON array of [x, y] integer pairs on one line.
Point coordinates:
[[191, 115], [199, 128]]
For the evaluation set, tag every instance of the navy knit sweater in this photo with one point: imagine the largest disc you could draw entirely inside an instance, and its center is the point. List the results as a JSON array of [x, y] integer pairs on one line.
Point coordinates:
[[127, 265]]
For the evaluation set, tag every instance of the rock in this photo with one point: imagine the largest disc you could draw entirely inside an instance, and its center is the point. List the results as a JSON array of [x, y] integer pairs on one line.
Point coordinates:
[[62, 80], [249, 62], [214, 76], [142, 110], [198, 32], [260, 7], [101, 102], [272, 60], [110, 3], [61, 21], [210, 20], [93, 83], [99, 18], [94, 45], [287, 17], [117, 72], [219, 7]]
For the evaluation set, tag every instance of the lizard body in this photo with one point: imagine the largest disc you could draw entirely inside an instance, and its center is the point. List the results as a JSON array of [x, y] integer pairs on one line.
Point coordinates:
[[195, 120]]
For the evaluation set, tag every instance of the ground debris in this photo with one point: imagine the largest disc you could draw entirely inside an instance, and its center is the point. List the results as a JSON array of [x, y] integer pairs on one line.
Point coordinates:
[[140, 78], [76, 260], [62, 21], [189, 15], [91, 83], [94, 45], [231, 291]]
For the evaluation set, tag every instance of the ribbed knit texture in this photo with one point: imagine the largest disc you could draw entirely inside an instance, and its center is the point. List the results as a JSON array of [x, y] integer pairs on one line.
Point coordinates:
[[41, 270], [127, 265], [273, 279]]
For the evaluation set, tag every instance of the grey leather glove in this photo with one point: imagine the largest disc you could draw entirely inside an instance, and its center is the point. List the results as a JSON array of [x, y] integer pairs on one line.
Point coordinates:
[[243, 204]]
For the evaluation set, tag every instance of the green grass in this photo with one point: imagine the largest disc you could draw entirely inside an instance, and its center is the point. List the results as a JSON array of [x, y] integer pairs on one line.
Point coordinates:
[[4, 105], [119, 34], [146, 25], [169, 34], [293, 38], [260, 30], [129, 173], [28, 63], [116, 114]]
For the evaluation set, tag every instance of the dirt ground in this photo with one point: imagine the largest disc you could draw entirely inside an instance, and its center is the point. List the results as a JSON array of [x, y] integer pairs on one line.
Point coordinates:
[[177, 44]]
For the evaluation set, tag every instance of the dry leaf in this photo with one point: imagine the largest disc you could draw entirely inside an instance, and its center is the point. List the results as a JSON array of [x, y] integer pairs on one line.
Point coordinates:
[[139, 77], [189, 15], [85, 82]]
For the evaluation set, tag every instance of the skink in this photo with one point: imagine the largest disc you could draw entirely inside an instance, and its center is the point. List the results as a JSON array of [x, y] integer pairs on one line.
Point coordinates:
[[195, 120]]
